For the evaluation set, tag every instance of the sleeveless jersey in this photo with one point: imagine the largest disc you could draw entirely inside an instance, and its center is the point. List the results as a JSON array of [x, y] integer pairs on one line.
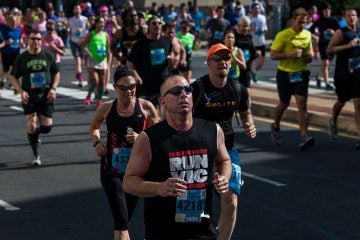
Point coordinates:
[[97, 46], [219, 105], [128, 41], [187, 155], [343, 57], [118, 149]]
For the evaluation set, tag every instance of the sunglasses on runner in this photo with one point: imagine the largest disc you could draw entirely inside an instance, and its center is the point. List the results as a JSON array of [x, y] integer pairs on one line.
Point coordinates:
[[126, 87], [176, 91], [218, 58], [35, 38]]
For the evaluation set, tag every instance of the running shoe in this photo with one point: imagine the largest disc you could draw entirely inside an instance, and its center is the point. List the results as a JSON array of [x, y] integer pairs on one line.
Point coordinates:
[[2, 83], [357, 144], [255, 76], [329, 87], [106, 92], [275, 135], [87, 101], [99, 102], [333, 131], [306, 142], [36, 161]]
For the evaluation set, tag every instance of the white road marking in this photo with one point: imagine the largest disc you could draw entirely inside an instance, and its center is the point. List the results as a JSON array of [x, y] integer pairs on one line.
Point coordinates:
[[265, 180], [8, 206], [9, 95], [16, 108]]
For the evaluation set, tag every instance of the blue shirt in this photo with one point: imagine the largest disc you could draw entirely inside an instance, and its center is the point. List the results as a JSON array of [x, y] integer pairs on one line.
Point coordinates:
[[15, 35], [197, 17]]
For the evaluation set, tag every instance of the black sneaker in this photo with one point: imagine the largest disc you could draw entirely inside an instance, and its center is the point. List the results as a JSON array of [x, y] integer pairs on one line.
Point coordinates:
[[318, 81], [333, 131], [2, 84], [275, 135], [306, 142], [329, 87]]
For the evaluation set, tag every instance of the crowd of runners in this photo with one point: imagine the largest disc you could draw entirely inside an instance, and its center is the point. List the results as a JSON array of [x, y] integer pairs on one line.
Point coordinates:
[[169, 138]]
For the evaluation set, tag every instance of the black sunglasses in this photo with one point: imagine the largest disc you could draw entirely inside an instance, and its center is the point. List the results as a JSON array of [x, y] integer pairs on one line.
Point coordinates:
[[176, 91], [35, 38], [218, 58]]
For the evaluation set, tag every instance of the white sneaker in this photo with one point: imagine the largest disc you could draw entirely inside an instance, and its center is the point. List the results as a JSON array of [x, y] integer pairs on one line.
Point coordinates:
[[36, 161]]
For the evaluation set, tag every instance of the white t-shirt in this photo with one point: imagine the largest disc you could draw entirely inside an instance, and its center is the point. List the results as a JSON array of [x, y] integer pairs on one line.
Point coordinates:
[[260, 27], [78, 28]]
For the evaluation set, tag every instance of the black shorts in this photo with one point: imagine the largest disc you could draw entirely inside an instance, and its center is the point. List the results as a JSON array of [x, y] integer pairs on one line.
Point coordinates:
[[262, 49], [8, 60], [245, 78], [38, 103], [323, 54], [76, 50], [347, 86], [286, 88], [122, 204]]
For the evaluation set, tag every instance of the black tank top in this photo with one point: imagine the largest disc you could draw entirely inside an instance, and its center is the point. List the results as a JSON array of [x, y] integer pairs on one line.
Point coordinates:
[[116, 130], [342, 58], [128, 41], [188, 155]]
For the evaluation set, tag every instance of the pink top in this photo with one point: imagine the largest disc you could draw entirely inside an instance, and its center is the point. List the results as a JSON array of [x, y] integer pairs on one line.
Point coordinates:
[[40, 26], [57, 42]]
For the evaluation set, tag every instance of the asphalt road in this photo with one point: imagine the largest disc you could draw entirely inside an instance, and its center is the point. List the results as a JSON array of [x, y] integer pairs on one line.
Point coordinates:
[[288, 194]]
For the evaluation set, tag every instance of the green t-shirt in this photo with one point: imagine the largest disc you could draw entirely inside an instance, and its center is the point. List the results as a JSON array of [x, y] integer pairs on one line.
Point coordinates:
[[97, 46], [288, 40], [188, 43], [35, 70]]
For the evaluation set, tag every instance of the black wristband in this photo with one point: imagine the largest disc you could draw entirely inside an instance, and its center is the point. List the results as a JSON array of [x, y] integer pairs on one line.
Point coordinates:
[[96, 143]]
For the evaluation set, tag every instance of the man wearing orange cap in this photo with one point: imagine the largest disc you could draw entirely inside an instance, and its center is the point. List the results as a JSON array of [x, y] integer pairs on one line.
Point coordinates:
[[217, 99]]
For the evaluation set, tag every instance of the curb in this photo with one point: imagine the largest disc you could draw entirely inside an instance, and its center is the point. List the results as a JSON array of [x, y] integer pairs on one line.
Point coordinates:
[[317, 119]]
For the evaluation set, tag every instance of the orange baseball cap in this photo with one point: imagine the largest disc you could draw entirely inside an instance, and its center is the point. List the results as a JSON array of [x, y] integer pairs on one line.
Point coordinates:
[[218, 48]]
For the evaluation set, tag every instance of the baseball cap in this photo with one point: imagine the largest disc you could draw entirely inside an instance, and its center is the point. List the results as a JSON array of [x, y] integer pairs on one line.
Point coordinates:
[[218, 48], [103, 8]]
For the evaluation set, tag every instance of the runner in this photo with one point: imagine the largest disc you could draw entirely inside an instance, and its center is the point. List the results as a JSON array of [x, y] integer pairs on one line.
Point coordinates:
[[346, 45], [40, 77], [10, 37], [77, 25], [97, 46], [292, 76], [216, 98], [125, 118], [156, 169]]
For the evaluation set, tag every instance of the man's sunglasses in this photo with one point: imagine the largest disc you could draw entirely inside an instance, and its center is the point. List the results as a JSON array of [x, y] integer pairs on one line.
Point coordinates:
[[126, 87], [176, 91], [35, 38], [218, 58]]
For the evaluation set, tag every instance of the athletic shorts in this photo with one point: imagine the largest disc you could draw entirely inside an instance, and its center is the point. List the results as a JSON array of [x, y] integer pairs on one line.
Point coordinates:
[[245, 78], [39, 104], [90, 63], [235, 181], [262, 49], [8, 60], [76, 50], [323, 53], [122, 204], [205, 230], [347, 88], [287, 86]]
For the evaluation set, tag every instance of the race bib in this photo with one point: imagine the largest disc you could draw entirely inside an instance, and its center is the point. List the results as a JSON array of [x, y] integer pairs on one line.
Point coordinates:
[[15, 43], [37, 80], [235, 181], [295, 77], [120, 158], [354, 63], [158, 56], [218, 35], [327, 35], [246, 55], [101, 50], [190, 206]]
